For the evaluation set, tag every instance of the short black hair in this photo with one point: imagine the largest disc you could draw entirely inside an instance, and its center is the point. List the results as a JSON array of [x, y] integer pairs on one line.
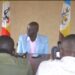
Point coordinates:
[[69, 42], [6, 44], [34, 24]]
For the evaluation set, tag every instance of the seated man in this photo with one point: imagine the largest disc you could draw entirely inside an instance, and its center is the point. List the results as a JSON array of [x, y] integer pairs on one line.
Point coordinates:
[[55, 54], [32, 42], [65, 66], [10, 65]]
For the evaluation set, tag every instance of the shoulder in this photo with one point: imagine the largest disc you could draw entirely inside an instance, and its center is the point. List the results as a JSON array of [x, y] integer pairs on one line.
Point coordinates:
[[49, 63], [42, 36], [45, 64], [43, 67]]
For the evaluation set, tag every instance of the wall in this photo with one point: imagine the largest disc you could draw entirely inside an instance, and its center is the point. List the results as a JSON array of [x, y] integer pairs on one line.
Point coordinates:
[[73, 17], [46, 13]]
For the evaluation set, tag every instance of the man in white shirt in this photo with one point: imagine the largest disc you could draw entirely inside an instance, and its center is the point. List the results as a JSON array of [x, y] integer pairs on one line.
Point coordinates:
[[65, 66]]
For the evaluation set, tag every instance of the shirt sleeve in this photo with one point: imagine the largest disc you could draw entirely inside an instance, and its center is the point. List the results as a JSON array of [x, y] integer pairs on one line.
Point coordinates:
[[19, 46]]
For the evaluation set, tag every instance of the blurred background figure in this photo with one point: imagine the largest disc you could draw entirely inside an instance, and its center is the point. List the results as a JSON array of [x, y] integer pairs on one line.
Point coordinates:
[[8, 64]]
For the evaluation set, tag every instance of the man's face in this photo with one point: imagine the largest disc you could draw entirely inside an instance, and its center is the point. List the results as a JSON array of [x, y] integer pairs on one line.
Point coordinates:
[[31, 31]]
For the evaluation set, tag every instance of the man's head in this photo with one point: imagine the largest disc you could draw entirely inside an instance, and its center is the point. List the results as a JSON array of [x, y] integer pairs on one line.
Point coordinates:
[[68, 46], [6, 45], [32, 30]]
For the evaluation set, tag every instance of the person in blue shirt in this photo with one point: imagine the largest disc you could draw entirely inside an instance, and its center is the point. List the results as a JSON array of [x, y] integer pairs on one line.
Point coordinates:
[[32, 42]]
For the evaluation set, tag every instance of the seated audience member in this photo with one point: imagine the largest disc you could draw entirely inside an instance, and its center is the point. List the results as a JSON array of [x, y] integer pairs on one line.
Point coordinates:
[[55, 51], [55, 54], [65, 66], [10, 65], [33, 42]]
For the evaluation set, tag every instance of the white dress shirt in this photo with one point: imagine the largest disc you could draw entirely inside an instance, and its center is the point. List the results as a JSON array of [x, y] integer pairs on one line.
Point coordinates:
[[32, 45], [65, 66]]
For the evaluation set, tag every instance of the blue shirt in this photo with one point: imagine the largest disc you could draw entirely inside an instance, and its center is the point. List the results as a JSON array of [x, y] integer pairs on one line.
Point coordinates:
[[41, 44]]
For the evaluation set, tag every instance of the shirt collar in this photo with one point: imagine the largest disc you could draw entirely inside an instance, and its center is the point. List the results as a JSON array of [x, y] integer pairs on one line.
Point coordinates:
[[28, 38]]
